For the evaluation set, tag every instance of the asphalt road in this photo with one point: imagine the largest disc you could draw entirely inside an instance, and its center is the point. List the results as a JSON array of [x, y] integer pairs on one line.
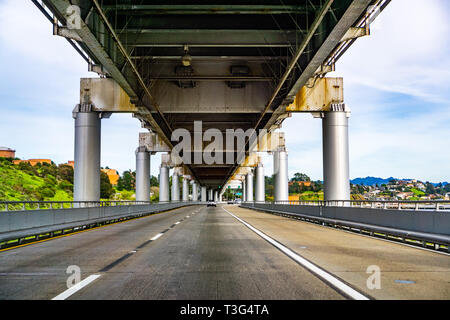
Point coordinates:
[[207, 253]]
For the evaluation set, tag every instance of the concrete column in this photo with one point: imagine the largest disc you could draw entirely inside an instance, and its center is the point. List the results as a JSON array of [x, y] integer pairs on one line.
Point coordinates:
[[164, 183], [87, 157], [216, 196], [194, 191], [210, 194], [204, 199], [175, 187], [335, 156], [260, 192], [280, 165], [244, 190], [249, 184], [185, 194], [142, 174]]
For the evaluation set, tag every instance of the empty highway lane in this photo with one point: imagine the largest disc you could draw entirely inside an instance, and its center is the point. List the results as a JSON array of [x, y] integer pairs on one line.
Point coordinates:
[[197, 252]]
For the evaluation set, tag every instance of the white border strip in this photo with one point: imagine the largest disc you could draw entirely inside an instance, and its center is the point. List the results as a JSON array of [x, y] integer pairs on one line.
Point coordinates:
[[157, 236], [333, 281], [80, 285]]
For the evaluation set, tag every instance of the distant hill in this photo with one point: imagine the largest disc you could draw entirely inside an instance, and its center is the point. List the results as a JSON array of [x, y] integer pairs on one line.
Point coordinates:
[[371, 181], [436, 184]]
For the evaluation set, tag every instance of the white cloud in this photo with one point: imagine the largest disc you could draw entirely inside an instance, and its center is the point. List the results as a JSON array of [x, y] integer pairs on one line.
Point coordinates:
[[41, 85], [397, 83], [407, 52]]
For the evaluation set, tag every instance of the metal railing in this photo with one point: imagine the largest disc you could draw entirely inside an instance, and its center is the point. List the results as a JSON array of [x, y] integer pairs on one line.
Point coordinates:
[[424, 223], [36, 205], [437, 205]]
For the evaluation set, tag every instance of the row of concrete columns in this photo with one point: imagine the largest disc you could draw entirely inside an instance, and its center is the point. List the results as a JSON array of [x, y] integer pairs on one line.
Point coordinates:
[[87, 166], [281, 188], [335, 165]]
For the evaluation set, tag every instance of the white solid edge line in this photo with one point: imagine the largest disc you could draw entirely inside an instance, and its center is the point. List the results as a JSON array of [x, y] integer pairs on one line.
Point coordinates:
[[308, 265], [157, 236], [77, 287]]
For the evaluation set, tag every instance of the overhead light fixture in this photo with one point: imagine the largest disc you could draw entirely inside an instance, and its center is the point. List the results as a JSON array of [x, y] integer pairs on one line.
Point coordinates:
[[186, 58]]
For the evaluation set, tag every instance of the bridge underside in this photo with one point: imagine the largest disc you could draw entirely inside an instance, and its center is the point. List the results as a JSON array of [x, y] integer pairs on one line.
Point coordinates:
[[231, 64]]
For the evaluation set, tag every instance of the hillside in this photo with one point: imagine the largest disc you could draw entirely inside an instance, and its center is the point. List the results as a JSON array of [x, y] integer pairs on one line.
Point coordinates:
[[371, 181], [39, 183]]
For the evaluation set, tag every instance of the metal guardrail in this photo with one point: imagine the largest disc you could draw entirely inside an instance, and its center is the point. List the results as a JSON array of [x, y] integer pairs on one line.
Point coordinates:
[[422, 226], [40, 205], [437, 205], [29, 225]]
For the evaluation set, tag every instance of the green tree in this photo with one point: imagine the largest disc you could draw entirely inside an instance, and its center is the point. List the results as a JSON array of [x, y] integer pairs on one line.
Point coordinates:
[[300, 177], [127, 181], [429, 188], [65, 172], [48, 169], [269, 188], [154, 181], [295, 188], [27, 167], [106, 189]]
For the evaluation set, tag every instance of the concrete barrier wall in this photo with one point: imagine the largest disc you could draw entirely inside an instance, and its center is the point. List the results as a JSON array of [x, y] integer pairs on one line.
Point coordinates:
[[437, 222], [22, 220]]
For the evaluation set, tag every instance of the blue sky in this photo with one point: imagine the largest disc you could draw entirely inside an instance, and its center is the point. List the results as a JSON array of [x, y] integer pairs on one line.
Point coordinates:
[[396, 82]]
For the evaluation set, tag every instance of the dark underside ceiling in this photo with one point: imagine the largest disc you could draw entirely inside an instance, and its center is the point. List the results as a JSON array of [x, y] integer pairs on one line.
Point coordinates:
[[242, 69]]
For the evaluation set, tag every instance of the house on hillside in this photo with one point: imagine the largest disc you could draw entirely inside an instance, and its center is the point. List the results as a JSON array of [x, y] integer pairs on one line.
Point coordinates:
[[6, 152], [404, 195], [33, 162], [113, 176]]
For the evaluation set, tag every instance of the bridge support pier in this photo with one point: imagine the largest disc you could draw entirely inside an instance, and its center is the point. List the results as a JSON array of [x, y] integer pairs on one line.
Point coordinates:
[[204, 199], [335, 156], [216, 196], [280, 166], [260, 184], [244, 190], [87, 156], [249, 185], [194, 191], [142, 174], [164, 183], [210, 195], [175, 186], [185, 194]]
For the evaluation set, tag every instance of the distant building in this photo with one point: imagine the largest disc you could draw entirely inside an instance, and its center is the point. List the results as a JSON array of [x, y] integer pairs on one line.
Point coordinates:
[[300, 183], [113, 176], [71, 163], [33, 162], [404, 195], [6, 152]]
